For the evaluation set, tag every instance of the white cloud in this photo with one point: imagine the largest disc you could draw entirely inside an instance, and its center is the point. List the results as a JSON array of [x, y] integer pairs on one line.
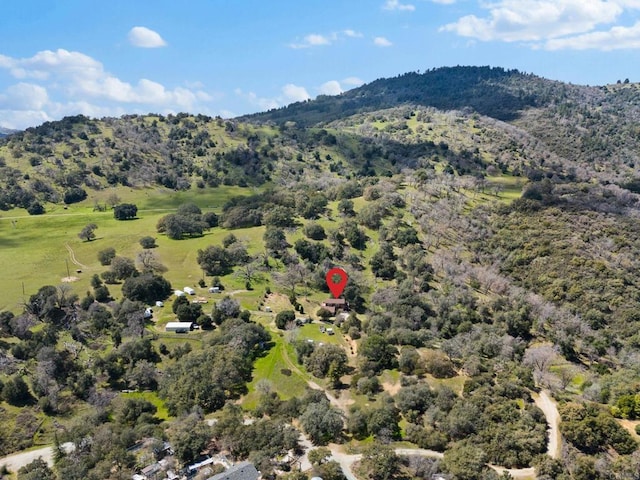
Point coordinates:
[[539, 20], [290, 93], [396, 5], [314, 40], [145, 38], [56, 83], [19, 119], [352, 33], [332, 87], [294, 93], [26, 96], [616, 38], [381, 42], [320, 40], [352, 81]]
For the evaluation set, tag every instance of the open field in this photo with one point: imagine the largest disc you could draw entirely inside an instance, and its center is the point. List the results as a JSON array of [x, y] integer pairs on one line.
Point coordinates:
[[42, 250]]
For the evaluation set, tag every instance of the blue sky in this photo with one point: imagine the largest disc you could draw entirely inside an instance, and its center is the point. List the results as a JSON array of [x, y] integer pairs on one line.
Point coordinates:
[[230, 57]]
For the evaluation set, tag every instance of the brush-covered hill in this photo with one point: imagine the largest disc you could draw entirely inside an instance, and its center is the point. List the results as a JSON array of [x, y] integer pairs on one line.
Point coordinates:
[[594, 128]]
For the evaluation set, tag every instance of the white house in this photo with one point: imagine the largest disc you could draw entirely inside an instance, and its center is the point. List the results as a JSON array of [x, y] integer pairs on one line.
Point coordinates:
[[189, 290], [179, 327], [178, 293]]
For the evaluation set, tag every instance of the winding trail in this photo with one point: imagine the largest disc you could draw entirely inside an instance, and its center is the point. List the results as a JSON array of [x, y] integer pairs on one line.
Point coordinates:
[[72, 255]]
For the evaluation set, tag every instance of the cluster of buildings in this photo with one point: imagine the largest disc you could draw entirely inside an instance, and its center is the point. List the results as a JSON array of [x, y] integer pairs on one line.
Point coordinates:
[[239, 471]]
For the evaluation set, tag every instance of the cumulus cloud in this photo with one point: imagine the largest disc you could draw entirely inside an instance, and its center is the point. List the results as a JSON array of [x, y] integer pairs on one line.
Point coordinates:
[[352, 33], [261, 102], [25, 96], [51, 82], [381, 42], [352, 81], [145, 38], [320, 40], [289, 93], [616, 38], [332, 87], [20, 119], [313, 40], [396, 5], [336, 87], [534, 21], [294, 93]]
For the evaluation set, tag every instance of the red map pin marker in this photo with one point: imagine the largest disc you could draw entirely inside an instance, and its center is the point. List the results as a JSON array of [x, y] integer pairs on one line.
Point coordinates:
[[337, 287]]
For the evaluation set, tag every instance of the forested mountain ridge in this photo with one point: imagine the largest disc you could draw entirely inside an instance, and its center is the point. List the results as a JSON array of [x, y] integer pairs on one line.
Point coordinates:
[[494, 92]]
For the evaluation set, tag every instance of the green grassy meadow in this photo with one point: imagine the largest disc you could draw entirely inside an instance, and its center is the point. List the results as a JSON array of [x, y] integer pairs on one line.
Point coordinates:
[[34, 249], [151, 397]]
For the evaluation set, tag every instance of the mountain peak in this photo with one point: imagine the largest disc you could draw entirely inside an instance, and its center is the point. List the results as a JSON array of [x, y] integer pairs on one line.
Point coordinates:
[[492, 91]]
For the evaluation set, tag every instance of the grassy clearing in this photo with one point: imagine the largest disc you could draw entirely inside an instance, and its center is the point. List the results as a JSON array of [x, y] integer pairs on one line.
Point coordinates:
[[270, 367], [151, 397], [455, 383]]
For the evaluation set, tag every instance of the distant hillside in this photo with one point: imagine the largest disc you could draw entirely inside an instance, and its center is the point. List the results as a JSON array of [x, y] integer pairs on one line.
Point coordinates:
[[592, 128], [494, 92], [6, 131], [471, 120]]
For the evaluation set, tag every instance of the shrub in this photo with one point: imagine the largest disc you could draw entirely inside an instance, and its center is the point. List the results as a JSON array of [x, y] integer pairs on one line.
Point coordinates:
[[314, 231], [105, 256], [284, 317], [324, 314], [74, 195], [148, 242], [35, 208]]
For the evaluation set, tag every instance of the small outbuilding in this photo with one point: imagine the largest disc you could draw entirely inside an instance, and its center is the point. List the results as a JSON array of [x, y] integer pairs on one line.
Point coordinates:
[[178, 293], [179, 327], [189, 290]]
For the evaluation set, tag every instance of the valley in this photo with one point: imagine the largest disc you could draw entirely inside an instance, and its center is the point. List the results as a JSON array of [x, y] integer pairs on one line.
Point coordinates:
[[492, 295]]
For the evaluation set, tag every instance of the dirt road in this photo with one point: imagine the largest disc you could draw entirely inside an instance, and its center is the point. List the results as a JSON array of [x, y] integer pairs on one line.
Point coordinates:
[[18, 460], [544, 402], [346, 462]]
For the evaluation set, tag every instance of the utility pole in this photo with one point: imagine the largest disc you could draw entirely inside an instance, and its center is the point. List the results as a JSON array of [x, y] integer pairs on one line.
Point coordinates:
[[67, 264]]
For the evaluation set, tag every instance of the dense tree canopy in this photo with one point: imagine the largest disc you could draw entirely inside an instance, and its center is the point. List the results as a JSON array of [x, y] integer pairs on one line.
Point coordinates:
[[125, 211]]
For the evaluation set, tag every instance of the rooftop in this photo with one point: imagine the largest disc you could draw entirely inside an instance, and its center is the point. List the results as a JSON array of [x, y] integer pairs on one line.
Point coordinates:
[[241, 471]]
